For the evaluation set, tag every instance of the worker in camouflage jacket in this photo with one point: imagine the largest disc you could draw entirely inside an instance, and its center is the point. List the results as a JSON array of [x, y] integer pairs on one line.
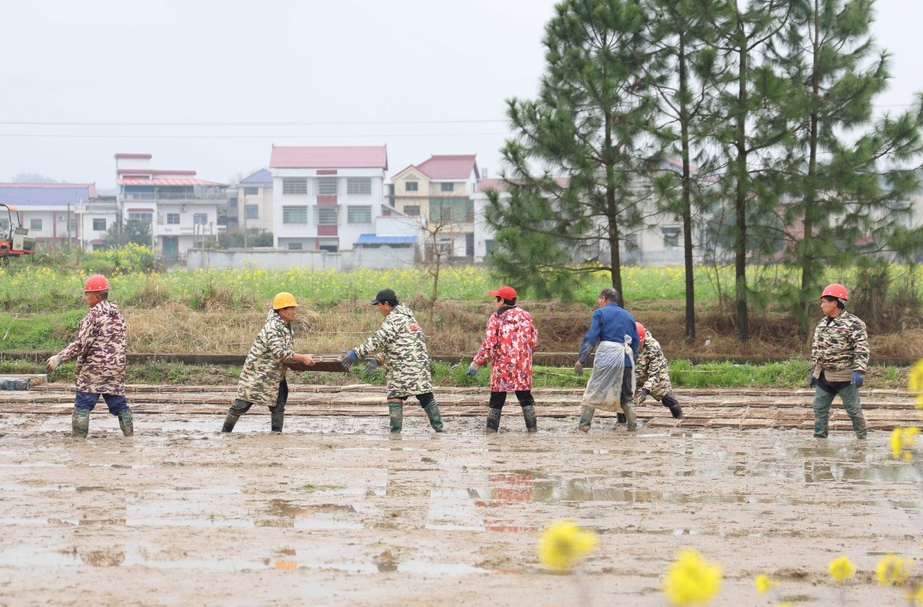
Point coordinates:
[[839, 360], [652, 374], [401, 345], [100, 350], [262, 380], [509, 341]]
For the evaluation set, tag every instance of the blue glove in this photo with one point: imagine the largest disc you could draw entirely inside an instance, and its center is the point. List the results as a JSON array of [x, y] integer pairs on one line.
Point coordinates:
[[857, 379], [643, 396], [812, 381], [349, 359], [473, 369]]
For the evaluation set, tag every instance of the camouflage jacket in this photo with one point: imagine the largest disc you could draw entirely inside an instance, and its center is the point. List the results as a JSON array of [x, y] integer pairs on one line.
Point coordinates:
[[651, 370], [100, 350], [841, 343], [509, 341], [403, 344], [265, 368]]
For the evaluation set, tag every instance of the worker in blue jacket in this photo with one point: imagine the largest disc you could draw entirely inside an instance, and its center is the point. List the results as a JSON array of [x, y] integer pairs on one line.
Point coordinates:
[[613, 381]]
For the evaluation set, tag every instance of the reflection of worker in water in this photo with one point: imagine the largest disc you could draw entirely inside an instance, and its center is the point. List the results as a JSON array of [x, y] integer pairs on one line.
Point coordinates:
[[613, 381], [262, 380], [652, 373], [509, 341], [402, 342], [100, 350], [839, 358]]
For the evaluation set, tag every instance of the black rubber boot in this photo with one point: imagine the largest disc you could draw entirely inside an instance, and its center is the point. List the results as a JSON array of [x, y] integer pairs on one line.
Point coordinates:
[[528, 413], [396, 413], [229, 422], [670, 402], [277, 419], [80, 422], [493, 420], [127, 422], [620, 418], [432, 412], [586, 418]]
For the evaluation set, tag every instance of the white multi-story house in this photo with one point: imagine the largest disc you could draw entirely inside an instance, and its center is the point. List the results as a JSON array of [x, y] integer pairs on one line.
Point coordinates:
[[439, 192], [254, 202], [182, 209], [60, 213], [324, 198]]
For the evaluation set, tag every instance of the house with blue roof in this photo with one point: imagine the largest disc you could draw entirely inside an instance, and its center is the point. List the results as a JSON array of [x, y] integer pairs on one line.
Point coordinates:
[[252, 205], [57, 214]]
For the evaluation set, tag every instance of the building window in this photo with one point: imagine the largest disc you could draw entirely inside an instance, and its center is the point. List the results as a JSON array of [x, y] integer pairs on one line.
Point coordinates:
[[256, 191], [200, 219], [294, 186], [327, 186], [412, 209], [253, 211], [331, 245], [671, 237], [295, 246], [146, 217], [454, 210], [446, 187], [172, 219], [99, 224], [411, 186], [98, 246], [358, 185], [359, 214], [328, 215], [232, 202], [73, 223], [35, 225], [294, 214]]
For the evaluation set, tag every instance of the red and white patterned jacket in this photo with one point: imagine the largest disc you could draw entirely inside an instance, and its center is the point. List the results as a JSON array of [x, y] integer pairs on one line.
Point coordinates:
[[508, 344]]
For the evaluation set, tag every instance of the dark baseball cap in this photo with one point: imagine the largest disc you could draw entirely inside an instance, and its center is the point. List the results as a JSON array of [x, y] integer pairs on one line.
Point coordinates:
[[384, 295]]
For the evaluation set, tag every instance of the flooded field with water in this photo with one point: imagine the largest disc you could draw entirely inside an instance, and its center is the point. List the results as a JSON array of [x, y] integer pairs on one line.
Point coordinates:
[[335, 511]]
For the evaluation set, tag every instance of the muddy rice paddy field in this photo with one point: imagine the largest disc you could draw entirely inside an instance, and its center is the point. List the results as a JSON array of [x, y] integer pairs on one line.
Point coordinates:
[[335, 511]]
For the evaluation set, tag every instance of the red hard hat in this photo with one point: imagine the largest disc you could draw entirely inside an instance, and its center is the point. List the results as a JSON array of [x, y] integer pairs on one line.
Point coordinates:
[[642, 334], [835, 290], [96, 283]]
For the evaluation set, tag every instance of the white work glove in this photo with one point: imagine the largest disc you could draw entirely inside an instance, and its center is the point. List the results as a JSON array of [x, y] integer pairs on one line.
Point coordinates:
[[53, 363]]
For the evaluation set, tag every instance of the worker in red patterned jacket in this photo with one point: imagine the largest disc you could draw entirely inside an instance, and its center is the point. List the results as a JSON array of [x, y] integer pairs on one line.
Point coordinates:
[[508, 344]]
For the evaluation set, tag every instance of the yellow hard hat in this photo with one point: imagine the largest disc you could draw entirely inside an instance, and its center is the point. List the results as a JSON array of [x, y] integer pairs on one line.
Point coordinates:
[[284, 300]]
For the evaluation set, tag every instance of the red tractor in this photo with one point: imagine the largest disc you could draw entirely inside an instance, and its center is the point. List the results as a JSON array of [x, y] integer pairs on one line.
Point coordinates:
[[14, 239]]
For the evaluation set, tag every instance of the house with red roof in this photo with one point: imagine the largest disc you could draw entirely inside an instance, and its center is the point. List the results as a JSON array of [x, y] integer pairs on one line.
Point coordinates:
[[57, 214], [183, 210], [325, 198], [439, 192]]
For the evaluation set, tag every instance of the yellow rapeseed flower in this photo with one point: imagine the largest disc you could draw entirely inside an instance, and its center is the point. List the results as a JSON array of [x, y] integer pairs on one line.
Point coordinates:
[[915, 382], [764, 583], [892, 570], [903, 441], [915, 596], [563, 545], [691, 580], [842, 569]]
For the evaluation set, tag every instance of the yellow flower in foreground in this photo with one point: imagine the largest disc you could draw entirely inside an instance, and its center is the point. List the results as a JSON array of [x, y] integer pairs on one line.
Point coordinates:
[[563, 545], [764, 583], [842, 569], [915, 382], [892, 570], [903, 441], [915, 596], [691, 580]]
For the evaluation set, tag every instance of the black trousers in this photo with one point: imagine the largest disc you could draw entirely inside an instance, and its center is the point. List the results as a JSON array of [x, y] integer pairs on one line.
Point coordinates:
[[497, 399]]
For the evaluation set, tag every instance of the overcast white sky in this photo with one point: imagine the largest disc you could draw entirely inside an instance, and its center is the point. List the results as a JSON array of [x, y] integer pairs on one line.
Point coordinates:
[[211, 86]]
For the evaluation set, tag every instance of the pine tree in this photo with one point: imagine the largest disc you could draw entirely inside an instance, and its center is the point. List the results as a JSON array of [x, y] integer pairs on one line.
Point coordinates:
[[574, 182]]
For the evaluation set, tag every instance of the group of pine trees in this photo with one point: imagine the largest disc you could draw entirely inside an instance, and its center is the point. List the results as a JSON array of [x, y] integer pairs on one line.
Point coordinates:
[[752, 123]]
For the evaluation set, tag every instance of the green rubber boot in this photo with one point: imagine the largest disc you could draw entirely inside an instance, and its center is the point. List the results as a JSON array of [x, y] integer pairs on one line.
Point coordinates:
[[528, 414], [127, 422], [396, 411], [80, 423], [630, 419], [586, 418], [432, 412]]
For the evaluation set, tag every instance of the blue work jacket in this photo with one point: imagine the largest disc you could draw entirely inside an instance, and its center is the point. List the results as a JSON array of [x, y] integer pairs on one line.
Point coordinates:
[[610, 323]]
